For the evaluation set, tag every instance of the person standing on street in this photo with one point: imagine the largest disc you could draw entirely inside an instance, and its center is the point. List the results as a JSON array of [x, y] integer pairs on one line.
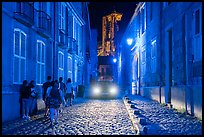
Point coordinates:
[[69, 92], [25, 94], [33, 98], [45, 87], [55, 102], [62, 87]]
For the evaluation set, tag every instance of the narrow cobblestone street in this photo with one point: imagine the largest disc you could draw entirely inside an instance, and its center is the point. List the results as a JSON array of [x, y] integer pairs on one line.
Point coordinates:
[[85, 117]]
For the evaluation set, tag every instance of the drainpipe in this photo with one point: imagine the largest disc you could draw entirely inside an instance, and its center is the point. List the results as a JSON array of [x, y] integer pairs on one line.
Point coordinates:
[[160, 24], [54, 47]]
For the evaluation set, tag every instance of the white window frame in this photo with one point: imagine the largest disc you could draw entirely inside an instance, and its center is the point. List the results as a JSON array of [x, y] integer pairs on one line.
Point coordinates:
[[60, 64], [69, 66], [62, 13], [153, 56], [40, 62], [74, 28], [143, 19], [197, 38], [75, 71], [79, 35], [20, 57]]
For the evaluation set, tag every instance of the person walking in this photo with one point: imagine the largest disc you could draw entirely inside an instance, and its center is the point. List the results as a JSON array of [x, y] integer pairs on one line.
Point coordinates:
[[33, 98], [45, 87], [47, 102], [62, 87], [69, 92], [55, 102], [25, 94]]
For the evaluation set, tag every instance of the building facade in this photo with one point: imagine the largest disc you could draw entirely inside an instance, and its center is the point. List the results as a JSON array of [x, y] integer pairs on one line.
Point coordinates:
[[41, 39], [165, 58], [93, 54]]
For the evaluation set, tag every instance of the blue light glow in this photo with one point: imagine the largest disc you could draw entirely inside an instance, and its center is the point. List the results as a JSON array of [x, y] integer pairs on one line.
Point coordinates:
[[129, 41], [114, 60]]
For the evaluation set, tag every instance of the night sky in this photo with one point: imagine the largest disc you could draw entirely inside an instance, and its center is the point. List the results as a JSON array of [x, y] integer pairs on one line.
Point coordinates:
[[99, 9]]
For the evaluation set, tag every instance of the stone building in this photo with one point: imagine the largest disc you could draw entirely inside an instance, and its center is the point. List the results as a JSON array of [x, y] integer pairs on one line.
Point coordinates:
[[109, 31], [163, 57], [41, 39]]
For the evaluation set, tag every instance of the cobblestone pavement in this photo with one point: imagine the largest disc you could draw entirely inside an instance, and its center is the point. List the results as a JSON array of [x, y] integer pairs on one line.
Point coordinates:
[[161, 120], [85, 117]]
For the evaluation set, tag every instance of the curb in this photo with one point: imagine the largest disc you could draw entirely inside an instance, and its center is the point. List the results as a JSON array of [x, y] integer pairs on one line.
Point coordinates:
[[139, 129]]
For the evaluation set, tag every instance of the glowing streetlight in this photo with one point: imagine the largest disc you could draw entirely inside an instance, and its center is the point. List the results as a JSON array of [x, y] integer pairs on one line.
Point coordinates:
[[114, 60], [129, 41]]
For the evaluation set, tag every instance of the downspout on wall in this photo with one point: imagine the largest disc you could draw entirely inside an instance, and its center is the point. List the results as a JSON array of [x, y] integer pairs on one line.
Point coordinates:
[[160, 51], [54, 56]]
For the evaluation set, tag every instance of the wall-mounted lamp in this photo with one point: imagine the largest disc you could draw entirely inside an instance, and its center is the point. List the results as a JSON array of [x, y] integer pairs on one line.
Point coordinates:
[[114, 60], [129, 41]]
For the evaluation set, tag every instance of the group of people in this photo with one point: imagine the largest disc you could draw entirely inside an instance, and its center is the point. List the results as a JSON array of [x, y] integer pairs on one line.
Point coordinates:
[[28, 99], [56, 95]]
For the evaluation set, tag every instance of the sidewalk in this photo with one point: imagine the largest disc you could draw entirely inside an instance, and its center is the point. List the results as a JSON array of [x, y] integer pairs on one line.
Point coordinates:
[[151, 118]]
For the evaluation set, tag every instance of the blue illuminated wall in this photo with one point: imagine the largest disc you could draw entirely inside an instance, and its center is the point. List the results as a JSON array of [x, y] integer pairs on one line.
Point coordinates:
[[93, 54], [166, 51], [34, 47]]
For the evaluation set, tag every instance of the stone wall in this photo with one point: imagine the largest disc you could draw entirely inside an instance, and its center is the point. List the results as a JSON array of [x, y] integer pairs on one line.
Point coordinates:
[[10, 106], [184, 98]]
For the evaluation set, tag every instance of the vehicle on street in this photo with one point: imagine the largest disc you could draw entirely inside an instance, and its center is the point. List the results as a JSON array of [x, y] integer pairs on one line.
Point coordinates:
[[104, 89]]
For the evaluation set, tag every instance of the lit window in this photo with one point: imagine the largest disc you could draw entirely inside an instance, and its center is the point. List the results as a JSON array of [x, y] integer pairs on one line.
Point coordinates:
[[40, 70], [19, 56]]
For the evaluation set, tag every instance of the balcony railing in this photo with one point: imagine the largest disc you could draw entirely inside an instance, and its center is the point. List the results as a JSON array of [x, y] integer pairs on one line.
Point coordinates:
[[25, 13], [43, 23]]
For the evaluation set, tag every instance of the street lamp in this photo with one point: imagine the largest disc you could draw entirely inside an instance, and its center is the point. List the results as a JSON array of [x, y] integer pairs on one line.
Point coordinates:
[[114, 60], [129, 41]]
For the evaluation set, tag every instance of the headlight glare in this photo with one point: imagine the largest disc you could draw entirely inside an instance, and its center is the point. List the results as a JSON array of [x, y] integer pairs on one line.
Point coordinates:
[[96, 90], [113, 90]]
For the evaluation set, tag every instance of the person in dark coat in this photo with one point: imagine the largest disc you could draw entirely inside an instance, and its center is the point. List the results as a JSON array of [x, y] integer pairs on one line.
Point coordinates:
[[69, 92], [45, 87], [25, 96], [56, 98]]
